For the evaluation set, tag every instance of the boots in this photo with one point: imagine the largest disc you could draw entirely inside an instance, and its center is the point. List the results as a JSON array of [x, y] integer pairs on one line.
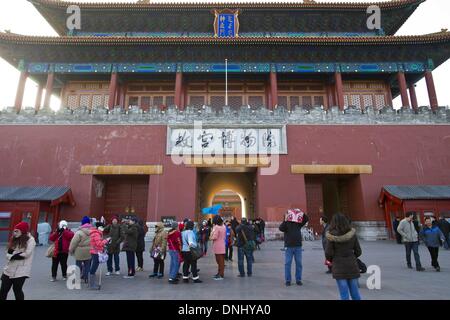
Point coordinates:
[[92, 284]]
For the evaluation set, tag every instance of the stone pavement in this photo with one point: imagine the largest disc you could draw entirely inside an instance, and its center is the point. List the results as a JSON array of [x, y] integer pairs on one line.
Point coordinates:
[[397, 282]]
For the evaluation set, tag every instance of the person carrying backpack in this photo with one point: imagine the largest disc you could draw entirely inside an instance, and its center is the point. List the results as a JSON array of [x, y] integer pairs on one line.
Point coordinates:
[[245, 241]]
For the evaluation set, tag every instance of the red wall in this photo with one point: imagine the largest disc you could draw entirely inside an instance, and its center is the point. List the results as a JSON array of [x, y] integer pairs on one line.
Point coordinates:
[[54, 154]]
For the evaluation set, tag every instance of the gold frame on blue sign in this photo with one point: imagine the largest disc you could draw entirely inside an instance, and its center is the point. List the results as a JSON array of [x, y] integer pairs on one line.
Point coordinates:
[[216, 21]]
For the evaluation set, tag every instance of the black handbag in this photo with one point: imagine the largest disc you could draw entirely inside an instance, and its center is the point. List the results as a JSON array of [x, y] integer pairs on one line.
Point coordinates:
[[196, 252], [362, 266]]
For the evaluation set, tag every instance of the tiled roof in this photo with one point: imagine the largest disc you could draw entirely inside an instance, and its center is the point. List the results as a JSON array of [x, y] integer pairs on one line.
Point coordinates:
[[243, 4], [34, 193], [419, 192]]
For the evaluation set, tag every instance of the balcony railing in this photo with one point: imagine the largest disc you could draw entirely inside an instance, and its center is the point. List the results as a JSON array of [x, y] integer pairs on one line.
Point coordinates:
[[244, 114]]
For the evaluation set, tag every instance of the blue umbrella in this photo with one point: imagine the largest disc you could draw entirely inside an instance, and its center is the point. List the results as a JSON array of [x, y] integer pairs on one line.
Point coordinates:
[[212, 210]]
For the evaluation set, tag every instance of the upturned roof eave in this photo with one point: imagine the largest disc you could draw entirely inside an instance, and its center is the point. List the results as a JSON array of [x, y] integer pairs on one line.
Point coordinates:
[[123, 40]]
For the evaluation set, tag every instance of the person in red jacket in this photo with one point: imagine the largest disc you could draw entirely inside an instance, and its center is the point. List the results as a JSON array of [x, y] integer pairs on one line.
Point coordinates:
[[97, 246], [61, 238]]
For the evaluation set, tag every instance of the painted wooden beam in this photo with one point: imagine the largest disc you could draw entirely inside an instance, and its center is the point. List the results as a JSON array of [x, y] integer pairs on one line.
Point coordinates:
[[118, 170], [330, 169]]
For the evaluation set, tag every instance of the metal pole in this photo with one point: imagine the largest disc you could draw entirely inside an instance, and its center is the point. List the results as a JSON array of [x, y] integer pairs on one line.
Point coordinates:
[[226, 82]]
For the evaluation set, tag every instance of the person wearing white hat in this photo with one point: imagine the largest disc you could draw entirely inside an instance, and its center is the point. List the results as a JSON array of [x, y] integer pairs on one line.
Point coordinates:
[[61, 239]]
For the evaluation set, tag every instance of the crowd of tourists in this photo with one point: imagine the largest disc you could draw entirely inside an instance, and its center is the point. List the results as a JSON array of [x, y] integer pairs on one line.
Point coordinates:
[[96, 242]]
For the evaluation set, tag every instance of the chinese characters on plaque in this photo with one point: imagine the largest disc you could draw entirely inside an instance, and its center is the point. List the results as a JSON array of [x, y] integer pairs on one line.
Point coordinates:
[[239, 141], [226, 25]]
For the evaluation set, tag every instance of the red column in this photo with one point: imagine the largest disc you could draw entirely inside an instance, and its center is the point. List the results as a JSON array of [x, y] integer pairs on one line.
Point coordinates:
[[339, 90], [178, 89], [273, 89], [48, 90], [122, 95], [330, 98], [431, 90], [20, 90], [413, 96], [112, 90], [37, 104], [389, 95], [403, 89], [268, 95], [185, 95], [118, 91]]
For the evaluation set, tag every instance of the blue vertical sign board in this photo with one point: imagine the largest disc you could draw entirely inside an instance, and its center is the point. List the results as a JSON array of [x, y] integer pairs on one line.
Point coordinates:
[[226, 25]]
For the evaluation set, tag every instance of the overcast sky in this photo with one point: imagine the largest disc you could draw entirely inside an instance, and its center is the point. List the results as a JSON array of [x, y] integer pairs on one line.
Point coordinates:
[[19, 16]]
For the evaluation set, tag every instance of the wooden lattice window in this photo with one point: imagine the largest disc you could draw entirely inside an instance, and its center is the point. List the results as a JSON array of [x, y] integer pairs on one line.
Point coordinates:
[[170, 101], [197, 101], [158, 101], [380, 101], [367, 100], [346, 100], [106, 101], [294, 101], [355, 100], [72, 101], [318, 101], [283, 101], [85, 100], [235, 102], [97, 101], [133, 101], [217, 101], [307, 101], [256, 101], [145, 102]]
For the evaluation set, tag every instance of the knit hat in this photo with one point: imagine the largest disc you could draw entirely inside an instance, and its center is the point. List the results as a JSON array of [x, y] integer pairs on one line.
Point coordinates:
[[63, 223], [85, 220], [23, 227], [115, 217]]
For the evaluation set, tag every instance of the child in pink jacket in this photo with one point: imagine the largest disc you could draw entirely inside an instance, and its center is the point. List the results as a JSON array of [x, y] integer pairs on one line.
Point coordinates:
[[97, 246]]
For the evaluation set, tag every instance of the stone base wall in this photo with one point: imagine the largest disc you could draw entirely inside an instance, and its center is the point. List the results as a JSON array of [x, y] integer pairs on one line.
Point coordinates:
[[371, 230]]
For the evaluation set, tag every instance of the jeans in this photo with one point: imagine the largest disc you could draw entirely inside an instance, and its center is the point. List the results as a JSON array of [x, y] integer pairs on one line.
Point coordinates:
[[434, 253], [291, 252], [131, 262], [61, 258], [94, 263], [158, 267], [204, 246], [85, 266], [174, 264], [347, 288], [248, 257], [140, 258], [191, 264], [109, 263], [16, 284], [414, 246], [229, 252]]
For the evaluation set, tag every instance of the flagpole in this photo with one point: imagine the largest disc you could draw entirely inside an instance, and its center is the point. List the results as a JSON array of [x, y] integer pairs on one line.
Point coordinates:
[[226, 82]]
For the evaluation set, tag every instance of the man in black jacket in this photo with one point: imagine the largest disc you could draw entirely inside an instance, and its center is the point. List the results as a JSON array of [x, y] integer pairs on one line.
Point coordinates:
[[244, 234], [293, 222], [395, 224], [444, 225]]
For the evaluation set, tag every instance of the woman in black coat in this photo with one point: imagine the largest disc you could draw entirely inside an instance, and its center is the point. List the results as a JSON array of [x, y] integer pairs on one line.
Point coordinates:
[[343, 249], [140, 246]]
